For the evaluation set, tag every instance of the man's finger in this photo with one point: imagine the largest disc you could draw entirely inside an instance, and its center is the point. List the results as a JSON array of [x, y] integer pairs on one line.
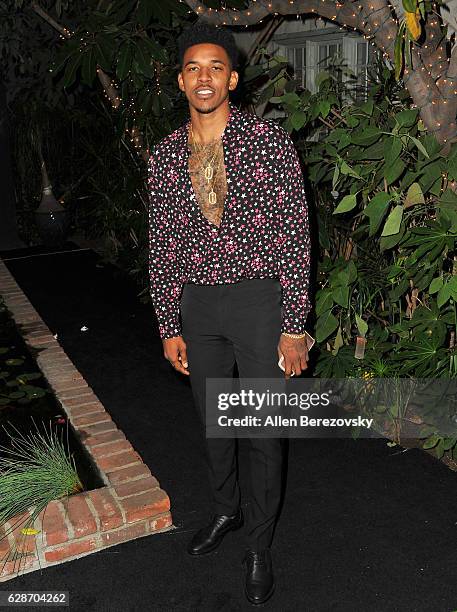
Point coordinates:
[[288, 367], [177, 365], [183, 358], [304, 362], [296, 367]]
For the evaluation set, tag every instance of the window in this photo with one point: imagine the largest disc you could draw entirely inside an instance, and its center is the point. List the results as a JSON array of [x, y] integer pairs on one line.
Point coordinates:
[[364, 60], [310, 52], [296, 57]]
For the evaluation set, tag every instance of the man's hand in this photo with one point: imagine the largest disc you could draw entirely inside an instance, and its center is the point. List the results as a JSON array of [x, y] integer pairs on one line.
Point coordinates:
[[174, 349], [295, 351]]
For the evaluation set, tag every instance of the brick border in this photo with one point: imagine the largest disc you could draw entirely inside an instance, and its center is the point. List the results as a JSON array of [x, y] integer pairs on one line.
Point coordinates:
[[130, 505]]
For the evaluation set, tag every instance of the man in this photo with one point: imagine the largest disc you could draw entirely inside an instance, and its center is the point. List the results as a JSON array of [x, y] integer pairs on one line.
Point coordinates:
[[229, 269]]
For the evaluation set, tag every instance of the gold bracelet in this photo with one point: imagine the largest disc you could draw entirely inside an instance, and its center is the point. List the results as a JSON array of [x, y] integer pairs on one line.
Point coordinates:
[[294, 335]]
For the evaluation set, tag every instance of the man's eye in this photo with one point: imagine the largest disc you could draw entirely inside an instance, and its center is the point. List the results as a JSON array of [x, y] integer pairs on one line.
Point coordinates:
[[217, 68]]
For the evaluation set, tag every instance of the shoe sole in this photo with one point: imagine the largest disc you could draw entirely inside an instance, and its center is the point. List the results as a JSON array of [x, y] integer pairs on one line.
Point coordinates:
[[208, 550], [257, 602]]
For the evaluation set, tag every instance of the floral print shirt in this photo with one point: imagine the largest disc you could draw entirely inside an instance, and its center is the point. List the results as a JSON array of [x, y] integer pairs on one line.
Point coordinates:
[[264, 230]]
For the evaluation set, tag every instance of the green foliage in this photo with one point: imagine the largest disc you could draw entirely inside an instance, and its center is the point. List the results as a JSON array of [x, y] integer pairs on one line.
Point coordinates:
[[35, 469], [55, 103], [386, 210], [115, 207], [134, 43]]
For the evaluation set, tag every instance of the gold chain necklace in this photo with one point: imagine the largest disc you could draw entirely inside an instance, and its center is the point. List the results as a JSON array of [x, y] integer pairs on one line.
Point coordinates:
[[212, 196], [209, 172]]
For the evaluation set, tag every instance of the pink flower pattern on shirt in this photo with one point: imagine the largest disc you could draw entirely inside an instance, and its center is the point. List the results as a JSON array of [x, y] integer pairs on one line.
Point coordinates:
[[264, 232]]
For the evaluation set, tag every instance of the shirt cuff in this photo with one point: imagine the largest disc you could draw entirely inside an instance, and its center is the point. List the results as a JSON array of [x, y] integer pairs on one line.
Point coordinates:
[[289, 329], [292, 323], [169, 332], [169, 324]]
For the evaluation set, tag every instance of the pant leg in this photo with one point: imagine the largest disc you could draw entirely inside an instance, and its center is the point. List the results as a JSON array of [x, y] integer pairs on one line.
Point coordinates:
[[210, 355], [255, 329]]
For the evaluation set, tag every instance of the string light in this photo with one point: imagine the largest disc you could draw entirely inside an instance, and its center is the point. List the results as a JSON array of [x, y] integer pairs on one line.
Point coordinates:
[[372, 31]]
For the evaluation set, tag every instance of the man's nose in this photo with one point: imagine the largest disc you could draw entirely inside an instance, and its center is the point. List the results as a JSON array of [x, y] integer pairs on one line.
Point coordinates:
[[204, 75]]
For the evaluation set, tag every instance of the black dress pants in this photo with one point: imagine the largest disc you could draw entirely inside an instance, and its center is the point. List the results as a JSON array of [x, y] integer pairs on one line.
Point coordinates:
[[221, 325]]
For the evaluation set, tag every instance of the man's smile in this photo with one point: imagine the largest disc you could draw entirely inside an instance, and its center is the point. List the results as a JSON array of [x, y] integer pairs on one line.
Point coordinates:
[[204, 92]]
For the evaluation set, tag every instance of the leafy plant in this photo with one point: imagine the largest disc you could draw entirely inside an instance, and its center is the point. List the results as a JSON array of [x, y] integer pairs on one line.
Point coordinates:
[[385, 196], [35, 469]]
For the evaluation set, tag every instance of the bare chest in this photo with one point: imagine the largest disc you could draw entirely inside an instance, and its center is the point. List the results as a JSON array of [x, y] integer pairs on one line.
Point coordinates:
[[209, 180]]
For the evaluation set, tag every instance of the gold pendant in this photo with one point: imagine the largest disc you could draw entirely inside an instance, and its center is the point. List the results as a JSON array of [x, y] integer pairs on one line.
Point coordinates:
[[208, 173], [212, 197]]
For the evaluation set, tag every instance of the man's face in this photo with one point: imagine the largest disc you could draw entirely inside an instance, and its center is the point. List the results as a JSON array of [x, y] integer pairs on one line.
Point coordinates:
[[206, 77]]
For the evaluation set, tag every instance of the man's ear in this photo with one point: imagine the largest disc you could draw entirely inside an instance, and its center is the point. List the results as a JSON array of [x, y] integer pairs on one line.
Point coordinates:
[[233, 80], [180, 82]]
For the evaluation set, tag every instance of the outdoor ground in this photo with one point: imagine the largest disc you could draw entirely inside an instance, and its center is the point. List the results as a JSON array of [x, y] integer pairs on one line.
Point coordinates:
[[364, 527]]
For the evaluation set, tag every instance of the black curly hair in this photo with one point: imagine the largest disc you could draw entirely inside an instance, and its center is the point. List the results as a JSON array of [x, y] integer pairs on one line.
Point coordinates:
[[205, 32]]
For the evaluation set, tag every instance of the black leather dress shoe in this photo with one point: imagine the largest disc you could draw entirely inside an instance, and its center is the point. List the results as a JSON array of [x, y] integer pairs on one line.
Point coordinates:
[[208, 538], [260, 582]]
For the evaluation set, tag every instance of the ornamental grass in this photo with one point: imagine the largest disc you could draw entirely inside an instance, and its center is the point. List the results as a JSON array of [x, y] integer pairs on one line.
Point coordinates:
[[35, 469]]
